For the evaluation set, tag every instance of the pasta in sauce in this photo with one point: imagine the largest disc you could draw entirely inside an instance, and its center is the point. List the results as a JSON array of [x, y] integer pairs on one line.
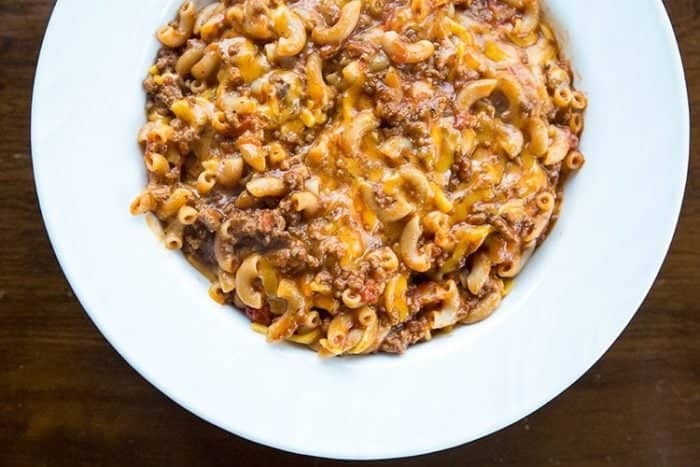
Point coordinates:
[[359, 175]]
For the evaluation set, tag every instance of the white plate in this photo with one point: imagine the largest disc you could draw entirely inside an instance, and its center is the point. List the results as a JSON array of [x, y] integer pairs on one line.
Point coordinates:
[[573, 300]]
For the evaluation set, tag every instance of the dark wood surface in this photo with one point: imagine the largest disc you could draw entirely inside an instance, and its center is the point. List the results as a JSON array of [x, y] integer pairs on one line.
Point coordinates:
[[68, 399]]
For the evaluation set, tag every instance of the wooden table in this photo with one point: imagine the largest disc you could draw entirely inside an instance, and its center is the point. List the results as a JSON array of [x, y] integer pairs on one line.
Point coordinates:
[[68, 399]]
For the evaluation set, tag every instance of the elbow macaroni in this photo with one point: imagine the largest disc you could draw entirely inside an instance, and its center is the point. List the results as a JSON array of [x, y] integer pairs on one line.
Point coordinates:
[[356, 176]]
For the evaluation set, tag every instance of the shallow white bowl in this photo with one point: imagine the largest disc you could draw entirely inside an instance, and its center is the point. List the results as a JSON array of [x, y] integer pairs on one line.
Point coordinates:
[[572, 301]]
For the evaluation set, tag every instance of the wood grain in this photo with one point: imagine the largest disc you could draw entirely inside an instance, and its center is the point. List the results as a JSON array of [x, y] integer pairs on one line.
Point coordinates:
[[68, 399]]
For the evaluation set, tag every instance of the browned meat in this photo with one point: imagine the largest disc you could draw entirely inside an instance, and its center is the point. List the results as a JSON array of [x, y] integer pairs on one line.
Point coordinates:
[[199, 242], [264, 231], [410, 333], [163, 94], [166, 60], [184, 135], [259, 315], [294, 258], [370, 292], [261, 226], [210, 218]]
